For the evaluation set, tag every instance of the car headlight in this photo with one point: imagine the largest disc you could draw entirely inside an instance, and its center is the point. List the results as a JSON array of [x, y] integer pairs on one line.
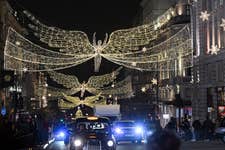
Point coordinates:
[[149, 133], [138, 130], [61, 134], [77, 142], [110, 143], [118, 131]]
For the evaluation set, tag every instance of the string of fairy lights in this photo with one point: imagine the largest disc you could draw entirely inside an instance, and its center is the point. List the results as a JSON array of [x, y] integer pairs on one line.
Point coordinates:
[[23, 55], [93, 84], [116, 90], [128, 47], [90, 101], [172, 53], [71, 81], [75, 41], [119, 90], [76, 101], [103, 84]]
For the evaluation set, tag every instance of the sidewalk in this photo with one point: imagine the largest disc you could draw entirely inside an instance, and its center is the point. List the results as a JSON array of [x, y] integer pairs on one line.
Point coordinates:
[[203, 145], [39, 147], [48, 143]]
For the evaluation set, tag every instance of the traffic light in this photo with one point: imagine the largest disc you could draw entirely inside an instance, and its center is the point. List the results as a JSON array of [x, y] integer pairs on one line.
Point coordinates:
[[6, 78]]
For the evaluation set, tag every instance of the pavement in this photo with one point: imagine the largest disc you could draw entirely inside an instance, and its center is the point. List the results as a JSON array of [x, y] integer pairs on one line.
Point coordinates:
[[197, 145], [203, 145], [41, 146]]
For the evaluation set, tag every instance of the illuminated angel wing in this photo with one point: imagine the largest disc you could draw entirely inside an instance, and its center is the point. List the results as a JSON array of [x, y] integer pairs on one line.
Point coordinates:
[[92, 99], [65, 105], [67, 81], [121, 90], [74, 100], [97, 102], [130, 39], [97, 82], [73, 42], [57, 92]]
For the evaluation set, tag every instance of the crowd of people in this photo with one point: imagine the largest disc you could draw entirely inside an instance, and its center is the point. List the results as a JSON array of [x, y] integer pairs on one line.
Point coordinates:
[[170, 137], [194, 131]]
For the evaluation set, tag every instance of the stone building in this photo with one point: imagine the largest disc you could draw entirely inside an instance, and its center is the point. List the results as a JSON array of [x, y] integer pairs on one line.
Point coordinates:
[[24, 83], [8, 18], [169, 83], [208, 71]]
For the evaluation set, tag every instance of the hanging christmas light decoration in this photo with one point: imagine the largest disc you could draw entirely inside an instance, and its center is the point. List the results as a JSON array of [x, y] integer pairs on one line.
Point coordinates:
[[127, 47], [93, 84], [65, 105], [121, 90], [211, 18], [204, 15], [53, 91], [76, 101], [154, 81], [20, 53], [214, 49]]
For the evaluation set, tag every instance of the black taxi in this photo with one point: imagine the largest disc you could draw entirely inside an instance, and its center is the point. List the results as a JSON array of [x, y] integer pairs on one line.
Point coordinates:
[[92, 133]]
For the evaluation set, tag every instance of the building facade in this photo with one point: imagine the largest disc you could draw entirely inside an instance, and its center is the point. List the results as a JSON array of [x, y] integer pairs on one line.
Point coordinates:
[[169, 83], [7, 19], [208, 70], [21, 94]]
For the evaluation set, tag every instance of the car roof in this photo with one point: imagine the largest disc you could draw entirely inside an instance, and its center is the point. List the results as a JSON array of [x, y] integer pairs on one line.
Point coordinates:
[[125, 121], [92, 118]]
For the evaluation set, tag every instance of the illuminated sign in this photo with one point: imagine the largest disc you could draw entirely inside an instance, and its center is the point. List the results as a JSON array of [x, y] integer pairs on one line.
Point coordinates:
[[92, 118]]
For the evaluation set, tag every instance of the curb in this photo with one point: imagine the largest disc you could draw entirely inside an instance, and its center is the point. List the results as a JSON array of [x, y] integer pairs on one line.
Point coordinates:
[[47, 144]]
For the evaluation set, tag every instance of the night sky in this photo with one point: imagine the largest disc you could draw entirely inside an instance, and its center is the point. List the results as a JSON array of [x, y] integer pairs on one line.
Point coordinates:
[[90, 16], [100, 16]]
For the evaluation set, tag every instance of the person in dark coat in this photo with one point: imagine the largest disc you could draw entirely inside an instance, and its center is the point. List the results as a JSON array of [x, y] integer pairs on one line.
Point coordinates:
[[186, 127], [197, 129], [163, 140], [208, 128], [172, 125]]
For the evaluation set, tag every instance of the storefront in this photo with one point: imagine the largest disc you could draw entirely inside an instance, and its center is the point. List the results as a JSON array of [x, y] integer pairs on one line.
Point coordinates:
[[221, 111], [220, 101]]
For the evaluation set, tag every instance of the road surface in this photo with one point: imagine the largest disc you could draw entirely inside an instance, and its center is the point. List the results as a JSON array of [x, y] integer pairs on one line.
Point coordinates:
[[200, 145]]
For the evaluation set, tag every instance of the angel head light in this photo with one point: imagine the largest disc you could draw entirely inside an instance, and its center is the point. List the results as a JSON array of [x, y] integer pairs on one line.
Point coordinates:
[[99, 46]]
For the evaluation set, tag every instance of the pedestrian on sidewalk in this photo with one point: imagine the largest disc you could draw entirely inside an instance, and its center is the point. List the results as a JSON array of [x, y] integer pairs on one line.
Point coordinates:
[[163, 140], [197, 129], [208, 128]]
